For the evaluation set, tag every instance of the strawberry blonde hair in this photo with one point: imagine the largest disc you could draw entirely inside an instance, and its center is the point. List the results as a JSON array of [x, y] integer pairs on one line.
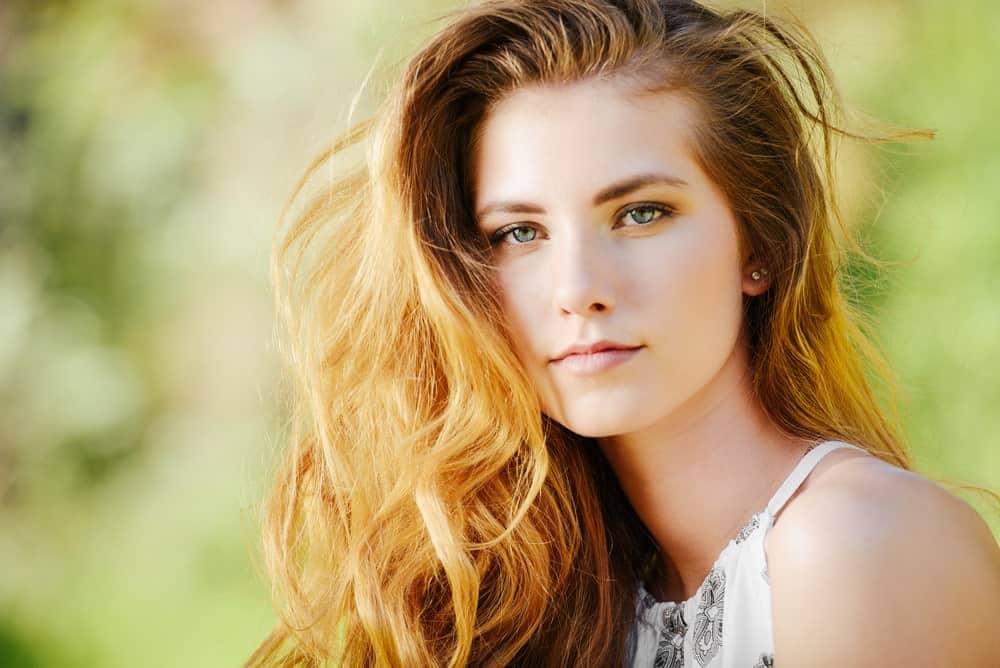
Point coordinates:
[[427, 512]]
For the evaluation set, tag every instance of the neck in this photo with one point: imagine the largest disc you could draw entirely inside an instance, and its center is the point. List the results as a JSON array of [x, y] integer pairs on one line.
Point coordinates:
[[696, 476]]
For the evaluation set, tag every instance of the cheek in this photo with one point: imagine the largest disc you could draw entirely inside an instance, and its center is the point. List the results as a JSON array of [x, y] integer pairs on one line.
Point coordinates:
[[694, 306], [676, 267], [682, 298], [523, 301]]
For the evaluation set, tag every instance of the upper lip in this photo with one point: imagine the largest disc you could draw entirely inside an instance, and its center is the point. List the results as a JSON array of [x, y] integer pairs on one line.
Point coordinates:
[[594, 347]]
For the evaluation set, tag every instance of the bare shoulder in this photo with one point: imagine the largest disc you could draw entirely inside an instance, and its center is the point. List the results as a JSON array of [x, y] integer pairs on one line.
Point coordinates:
[[872, 565], [862, 502]]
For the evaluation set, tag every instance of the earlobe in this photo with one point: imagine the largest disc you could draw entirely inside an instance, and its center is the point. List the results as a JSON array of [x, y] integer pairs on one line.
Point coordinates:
[[756, 282]]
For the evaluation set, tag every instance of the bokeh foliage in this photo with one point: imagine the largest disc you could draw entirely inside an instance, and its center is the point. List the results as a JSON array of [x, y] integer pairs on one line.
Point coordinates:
[[147, 147]]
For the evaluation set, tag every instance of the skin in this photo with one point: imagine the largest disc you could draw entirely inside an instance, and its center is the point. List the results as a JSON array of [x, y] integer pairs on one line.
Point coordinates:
[[679, 418]]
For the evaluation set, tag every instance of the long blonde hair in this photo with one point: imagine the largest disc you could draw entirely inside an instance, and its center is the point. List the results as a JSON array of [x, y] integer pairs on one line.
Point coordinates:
[[427, 512]]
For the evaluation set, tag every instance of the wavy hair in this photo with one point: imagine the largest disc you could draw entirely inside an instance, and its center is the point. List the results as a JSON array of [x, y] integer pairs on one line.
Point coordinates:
[[427, 512]]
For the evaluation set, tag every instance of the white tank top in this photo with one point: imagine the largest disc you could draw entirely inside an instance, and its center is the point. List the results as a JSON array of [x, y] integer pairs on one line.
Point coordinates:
[[727, 623]]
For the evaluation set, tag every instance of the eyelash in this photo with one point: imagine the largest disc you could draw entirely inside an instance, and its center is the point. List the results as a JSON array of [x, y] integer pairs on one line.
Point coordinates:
[[665, 211]]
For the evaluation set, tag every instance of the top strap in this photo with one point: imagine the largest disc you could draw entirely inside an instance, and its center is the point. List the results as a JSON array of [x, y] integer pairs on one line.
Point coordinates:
[[802, 470]]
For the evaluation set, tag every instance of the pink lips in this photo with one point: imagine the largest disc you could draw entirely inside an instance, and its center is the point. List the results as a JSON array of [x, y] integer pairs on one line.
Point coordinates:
[[590, 359]]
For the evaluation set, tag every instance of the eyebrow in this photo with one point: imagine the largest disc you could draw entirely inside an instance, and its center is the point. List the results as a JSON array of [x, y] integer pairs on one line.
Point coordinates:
[[611, 192]]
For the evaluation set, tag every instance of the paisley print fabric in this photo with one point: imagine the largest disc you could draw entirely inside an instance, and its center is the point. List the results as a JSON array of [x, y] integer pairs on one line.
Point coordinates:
[[749, 528], [708, 622], [670, 652]]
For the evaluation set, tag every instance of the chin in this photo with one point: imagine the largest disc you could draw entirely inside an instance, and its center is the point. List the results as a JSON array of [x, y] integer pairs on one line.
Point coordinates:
[[598, 423]]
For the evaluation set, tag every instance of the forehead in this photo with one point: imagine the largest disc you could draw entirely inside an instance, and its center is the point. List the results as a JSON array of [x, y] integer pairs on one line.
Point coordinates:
[[581, 135]]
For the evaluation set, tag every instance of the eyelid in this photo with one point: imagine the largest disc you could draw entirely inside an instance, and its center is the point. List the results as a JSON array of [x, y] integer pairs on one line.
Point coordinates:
[[497, 235], [666, 211]]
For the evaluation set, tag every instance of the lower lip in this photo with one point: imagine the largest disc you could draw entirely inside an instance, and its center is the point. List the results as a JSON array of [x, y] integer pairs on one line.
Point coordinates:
[[594, 363]]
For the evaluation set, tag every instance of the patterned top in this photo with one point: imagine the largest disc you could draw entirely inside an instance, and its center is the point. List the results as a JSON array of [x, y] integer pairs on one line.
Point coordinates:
[[737, 591]]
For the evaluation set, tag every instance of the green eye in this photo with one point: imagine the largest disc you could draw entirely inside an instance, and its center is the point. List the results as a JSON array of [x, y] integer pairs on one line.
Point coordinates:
[[523, 235], [643, 214]]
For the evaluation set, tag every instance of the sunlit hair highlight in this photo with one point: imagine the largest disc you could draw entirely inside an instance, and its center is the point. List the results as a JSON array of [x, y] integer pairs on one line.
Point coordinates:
[[427, 513]]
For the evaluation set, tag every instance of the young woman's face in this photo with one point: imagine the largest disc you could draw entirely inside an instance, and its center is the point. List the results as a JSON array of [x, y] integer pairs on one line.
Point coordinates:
[[605, 229]]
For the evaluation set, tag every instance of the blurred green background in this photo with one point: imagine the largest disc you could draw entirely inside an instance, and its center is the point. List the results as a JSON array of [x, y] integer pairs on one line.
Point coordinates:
[[146, 148]]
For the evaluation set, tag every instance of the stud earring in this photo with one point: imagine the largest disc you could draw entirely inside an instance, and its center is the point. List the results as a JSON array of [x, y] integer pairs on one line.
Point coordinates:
[[758, 274]]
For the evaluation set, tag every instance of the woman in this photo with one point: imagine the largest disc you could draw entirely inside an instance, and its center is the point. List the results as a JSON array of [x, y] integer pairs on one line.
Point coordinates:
[[576, 384]]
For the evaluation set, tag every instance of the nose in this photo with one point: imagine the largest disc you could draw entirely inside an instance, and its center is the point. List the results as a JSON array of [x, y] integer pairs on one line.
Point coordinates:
[[582, 278]]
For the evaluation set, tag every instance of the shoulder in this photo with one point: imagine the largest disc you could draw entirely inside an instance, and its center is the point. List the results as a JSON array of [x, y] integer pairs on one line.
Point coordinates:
[[873, 565]]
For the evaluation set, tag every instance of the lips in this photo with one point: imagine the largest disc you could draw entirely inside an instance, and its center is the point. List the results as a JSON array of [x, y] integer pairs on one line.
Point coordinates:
[[592, 348], [595, 363]]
